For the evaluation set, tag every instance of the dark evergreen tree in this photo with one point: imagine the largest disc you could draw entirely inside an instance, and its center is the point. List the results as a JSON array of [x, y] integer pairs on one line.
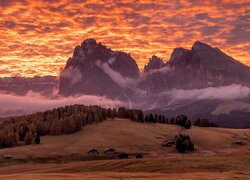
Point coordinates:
[[37, 138], [188, 124], [151, 118], [179, 145]]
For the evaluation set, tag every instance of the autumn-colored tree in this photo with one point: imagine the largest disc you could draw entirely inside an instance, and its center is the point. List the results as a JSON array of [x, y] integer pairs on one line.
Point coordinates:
[[56, 127], [28, 138], [23, 129], [84, 117], [68, 125], [96, 118], [40, 128], [90, 118], [77, 122]]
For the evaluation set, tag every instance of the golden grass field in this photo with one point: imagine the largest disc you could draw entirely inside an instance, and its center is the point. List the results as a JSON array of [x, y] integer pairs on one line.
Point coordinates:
[[65, 156]]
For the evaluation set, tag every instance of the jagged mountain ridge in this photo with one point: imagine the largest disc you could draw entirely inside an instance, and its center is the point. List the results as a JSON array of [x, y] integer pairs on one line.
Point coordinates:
[[97, 70], [200, 67], [203, 64]]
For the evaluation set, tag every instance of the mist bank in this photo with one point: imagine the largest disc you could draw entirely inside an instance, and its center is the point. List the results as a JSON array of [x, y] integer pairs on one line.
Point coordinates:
[[233, 91], [11, 105]]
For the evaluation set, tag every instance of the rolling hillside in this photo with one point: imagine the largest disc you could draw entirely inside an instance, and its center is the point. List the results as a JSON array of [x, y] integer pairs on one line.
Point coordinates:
[[65, 156], [131, 137]]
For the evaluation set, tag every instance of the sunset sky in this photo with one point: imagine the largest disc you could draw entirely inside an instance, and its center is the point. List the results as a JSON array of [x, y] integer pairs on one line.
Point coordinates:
[[38, 36]]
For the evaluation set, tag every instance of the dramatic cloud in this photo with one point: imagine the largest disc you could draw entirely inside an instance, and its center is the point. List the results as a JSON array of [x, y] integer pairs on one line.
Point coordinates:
[[234, 91], [37, 37], [32, 102]]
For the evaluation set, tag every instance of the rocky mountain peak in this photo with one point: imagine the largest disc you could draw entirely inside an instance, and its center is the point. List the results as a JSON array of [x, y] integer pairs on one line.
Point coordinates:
[[199, 45], [179, 56], [211, 57], [93, 69], [89, 45], [154, 63]]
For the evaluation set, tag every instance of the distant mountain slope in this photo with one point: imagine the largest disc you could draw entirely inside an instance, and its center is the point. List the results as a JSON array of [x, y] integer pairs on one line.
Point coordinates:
[[21, 85]]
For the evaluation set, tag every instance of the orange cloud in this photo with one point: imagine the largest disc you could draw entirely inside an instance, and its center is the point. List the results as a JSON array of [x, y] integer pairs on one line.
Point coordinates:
[[37, 37]]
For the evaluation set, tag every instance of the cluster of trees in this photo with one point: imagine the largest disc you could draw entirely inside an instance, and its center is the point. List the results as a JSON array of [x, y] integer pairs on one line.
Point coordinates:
[[27, 129], [183, 143], [204, 123], [133, 114], [64, 120], [156, 118], [180, 120]]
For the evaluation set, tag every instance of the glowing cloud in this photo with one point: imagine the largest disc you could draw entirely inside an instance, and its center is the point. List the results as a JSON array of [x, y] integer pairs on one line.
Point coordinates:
[[37, 37]]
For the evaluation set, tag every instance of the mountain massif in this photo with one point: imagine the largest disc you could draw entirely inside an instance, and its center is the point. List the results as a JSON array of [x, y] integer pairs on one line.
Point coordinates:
[[200, 82]]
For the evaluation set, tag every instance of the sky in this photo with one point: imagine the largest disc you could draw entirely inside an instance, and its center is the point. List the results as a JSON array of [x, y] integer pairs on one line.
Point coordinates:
[[38, 36]]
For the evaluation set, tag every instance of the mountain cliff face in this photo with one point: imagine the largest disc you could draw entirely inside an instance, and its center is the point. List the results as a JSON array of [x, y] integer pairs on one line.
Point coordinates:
[[92, 70], [182, 85], [200, 67]]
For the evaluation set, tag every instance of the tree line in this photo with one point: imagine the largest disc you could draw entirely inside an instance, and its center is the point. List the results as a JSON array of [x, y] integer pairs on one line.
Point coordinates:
[[27, 129]]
